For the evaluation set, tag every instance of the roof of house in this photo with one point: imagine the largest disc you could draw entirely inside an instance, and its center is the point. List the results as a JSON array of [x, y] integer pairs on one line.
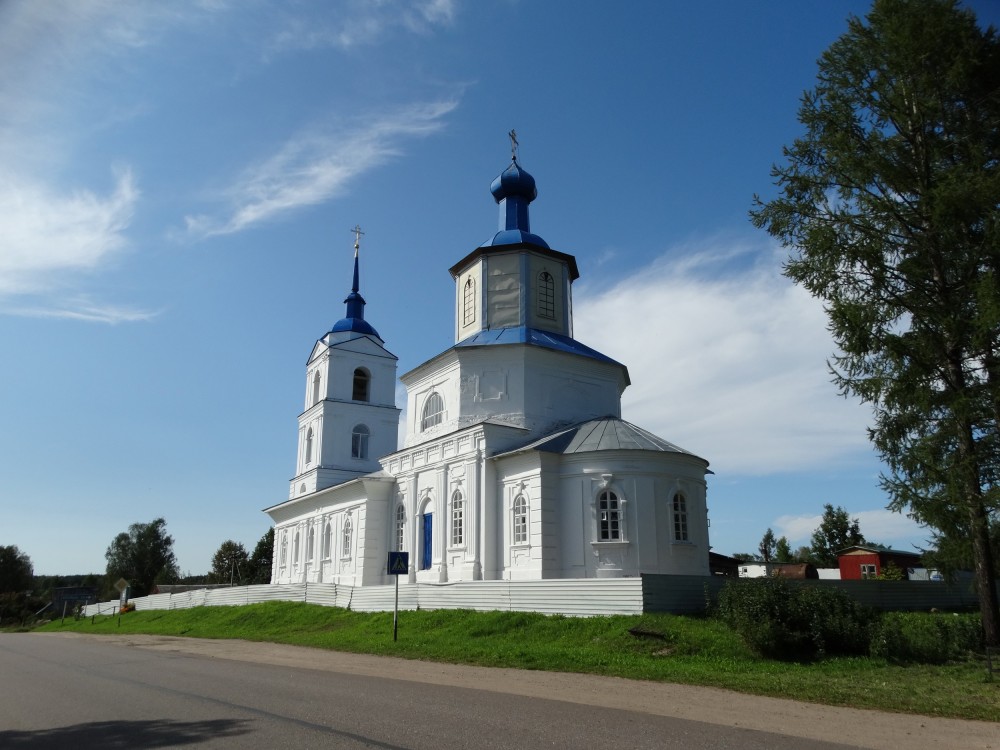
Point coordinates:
[[877, 550]]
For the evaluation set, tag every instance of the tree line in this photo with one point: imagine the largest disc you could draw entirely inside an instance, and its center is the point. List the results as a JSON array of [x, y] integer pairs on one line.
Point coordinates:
[[836, 531], [143, 555]]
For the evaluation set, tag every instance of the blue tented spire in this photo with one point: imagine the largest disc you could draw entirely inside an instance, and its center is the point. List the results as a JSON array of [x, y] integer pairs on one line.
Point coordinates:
[[355, 318]]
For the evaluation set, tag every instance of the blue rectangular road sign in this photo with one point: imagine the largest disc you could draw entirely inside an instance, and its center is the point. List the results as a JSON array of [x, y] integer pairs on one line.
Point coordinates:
[[399, 563]]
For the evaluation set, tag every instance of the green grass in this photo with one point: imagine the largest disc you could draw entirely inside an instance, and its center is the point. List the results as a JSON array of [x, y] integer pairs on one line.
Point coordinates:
[[693, 651]]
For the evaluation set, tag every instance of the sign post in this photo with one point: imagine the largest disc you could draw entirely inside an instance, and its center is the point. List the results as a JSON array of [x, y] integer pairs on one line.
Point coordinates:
[[399, 564]]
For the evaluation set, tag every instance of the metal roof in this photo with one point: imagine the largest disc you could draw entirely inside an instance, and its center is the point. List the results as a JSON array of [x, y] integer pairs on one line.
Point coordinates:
[[604, 434]]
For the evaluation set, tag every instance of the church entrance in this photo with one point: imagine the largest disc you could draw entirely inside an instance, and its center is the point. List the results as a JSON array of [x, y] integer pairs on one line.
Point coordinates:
[[425, 556]]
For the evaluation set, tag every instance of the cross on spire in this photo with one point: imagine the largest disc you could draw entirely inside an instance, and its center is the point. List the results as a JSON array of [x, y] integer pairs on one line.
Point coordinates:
[[513, 145], [357, 238]]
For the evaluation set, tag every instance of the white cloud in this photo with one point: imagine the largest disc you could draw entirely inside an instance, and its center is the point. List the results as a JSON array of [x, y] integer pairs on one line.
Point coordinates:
[[315, 166], [358, 24], [46, 233], [727, 359]]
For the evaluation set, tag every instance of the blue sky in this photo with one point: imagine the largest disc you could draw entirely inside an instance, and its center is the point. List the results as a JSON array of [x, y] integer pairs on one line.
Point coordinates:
[[178, 181]]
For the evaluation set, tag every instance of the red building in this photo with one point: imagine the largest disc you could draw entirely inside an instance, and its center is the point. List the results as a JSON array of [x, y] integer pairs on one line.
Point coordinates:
[[861, 562]]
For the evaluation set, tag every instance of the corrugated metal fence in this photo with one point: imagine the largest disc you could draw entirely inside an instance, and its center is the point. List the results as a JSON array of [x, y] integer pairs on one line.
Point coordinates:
[[579, 597], [575, 597]]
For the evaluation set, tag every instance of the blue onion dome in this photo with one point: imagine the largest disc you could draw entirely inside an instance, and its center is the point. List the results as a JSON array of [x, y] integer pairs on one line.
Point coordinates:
[[513, 190], [514, 181]]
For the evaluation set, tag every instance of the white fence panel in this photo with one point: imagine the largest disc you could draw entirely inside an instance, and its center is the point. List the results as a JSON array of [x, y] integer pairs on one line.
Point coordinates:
[[323, 594], [101, 608], [155, 601]]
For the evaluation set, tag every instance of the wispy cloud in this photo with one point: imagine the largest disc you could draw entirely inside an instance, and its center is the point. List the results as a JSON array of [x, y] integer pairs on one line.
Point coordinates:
[[727, 359], [45, 233], [360, 23], [315, 166], [82, 310]]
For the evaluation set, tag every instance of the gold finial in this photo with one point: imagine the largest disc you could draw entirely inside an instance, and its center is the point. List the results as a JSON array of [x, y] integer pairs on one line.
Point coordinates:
[[513, 145], [357, 238]]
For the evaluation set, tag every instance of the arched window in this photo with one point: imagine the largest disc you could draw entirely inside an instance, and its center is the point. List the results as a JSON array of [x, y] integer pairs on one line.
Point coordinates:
[[609, 517], [346, 551], [469, 302], [433, 411], [546, 295], [310, 545], [315, 393], [457, 520], [284, 549], [359, 441], [361, 382], [295, 549], [680, 518], [309, 446], [520, 535], [400, 527], [327, 540]]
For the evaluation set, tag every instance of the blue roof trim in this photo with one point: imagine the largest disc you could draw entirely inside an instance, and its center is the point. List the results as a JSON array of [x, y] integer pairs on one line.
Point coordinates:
[[515, 237], [535, 337]]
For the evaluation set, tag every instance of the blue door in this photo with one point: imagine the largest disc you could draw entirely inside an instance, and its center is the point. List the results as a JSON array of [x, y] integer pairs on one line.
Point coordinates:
[[425, 557]]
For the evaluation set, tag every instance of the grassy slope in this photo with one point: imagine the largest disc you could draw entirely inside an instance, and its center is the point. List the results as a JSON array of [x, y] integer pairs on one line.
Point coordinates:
[[693, 651]]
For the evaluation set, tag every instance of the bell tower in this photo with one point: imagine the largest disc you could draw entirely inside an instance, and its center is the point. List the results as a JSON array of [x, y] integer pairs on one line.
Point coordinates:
[[350, 417]]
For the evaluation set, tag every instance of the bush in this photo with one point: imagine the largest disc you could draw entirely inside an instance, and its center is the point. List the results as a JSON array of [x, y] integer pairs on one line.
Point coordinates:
[[795, 622], [926, 638]]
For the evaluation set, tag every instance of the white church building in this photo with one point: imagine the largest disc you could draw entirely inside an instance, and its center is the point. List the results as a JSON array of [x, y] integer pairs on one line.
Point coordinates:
[[516, 463]]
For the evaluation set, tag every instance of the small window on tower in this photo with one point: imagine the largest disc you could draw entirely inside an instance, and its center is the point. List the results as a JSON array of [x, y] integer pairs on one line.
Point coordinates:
[[359, 441], [546, 295], [469, 302], [315, 391], [309, 446], [361, 382]]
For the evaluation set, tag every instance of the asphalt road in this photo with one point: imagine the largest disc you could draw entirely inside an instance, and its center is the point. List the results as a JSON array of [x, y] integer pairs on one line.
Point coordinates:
[[92, 692]]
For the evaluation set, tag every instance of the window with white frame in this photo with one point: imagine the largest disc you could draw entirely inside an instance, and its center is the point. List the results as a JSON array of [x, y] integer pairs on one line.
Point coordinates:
[[295, 549], [400, 527], [520, 525], [309, 446], [469, 302], [283, 559], [348, 532], [457, 520], [546, 295], [310, 544], [433, 412], [359, 441], [327, 540], [680, 518], [609, 517], [868, 570], [315, 391], [361, 385]]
